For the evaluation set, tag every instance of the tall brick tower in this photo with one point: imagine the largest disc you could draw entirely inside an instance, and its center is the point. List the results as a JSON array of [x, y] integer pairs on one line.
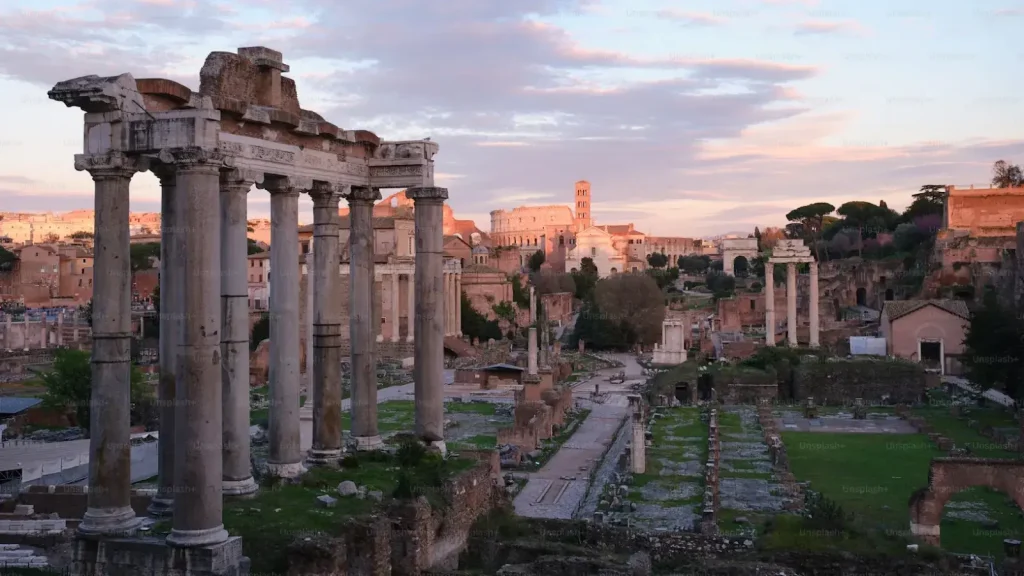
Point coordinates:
[[582, 205]]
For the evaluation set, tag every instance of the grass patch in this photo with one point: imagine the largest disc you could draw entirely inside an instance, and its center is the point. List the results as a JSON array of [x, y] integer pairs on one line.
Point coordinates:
[[483, 408], [484, 441], [959, 432]]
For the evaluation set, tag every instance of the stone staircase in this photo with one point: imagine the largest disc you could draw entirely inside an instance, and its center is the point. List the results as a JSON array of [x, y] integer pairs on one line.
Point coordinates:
[[16, 556], [459, 347]]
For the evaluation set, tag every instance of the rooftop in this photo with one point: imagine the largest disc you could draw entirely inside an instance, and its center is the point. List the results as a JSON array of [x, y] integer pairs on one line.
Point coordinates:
[[899, 308]]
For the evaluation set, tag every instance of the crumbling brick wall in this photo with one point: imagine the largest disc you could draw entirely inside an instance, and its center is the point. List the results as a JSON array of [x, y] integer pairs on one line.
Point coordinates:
[[840, 381]]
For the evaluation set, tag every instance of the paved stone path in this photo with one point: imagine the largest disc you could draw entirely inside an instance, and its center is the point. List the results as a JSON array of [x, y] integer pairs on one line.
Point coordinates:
[[547, 494]]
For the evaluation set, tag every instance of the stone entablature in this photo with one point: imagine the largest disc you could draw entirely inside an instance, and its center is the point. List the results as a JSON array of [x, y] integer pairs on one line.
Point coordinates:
[[790, 253]]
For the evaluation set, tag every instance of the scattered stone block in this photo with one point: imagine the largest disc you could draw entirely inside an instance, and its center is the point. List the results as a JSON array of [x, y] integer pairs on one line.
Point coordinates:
[[348, 488], [326, 501]]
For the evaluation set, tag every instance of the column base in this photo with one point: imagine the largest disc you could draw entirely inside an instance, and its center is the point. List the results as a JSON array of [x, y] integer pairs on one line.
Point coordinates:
[[161, 506], [380, 337], [437, 446], [367, 443], [197, 538], [409, 339], [290, 470], [324, 457], [240, 488], [109, 522], [458, 334]]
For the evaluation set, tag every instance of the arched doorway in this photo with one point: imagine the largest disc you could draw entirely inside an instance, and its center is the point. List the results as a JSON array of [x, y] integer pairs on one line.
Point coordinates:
[[683, 393], [862, 297], [838, 309], [740, 266], [705, 387], [888, 294]]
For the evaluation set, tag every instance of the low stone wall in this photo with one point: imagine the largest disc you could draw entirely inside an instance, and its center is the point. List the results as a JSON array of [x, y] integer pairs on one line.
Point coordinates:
[[780, 460], [70, 502], [840, 381], [709, 515], [413, 537], [738, 385]]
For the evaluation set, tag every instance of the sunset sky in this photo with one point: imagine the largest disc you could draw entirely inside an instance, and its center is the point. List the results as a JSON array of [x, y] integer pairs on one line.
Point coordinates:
[[688, 118]]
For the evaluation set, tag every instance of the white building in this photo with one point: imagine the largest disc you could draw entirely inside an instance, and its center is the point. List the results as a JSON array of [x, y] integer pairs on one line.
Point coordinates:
[[599, 246]]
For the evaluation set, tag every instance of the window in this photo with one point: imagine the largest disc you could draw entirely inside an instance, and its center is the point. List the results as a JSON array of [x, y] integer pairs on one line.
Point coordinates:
[[593, 251], [753, 306], [79, 282]]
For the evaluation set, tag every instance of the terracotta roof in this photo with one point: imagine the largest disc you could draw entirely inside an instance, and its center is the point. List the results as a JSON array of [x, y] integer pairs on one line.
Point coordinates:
[[898, 308], [480, 269], [619, 229]]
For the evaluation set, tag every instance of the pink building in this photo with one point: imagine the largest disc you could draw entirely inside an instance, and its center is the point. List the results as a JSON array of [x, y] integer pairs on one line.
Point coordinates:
[[930, 332]]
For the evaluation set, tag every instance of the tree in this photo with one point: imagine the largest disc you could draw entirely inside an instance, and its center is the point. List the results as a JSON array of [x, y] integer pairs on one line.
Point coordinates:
[[694, 264], [598, 330], [504, 310], [721, 285], [69, 387], [664, 278], [757, 234], [552, 282], [260, 332], [475, 324], [811, 217], [585, 279], [81, 235], [141, 255], [51, 238], [992, 346], [519, 294], [253, 246], [7, 259], [87, 312], [930, 200], [1006, 175], [867, 218], [657, 260], [536, 260], [634, 301]]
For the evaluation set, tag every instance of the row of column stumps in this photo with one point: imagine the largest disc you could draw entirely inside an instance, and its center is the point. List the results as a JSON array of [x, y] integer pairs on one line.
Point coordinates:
[[791, 305], [779, 458], [709, 516], [203, 390]]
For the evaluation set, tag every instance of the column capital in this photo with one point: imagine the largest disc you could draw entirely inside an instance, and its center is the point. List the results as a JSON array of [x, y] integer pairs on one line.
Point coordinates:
[[113, 164], [287, 185], [327, 195], [195, 158], [240, 178], [356, 194], [427, 193]]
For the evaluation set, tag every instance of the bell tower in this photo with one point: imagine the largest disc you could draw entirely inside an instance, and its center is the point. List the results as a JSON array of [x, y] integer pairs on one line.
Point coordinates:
[[582, 210]]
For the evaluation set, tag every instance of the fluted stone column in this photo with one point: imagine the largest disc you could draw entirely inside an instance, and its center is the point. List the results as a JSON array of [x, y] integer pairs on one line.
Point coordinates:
[[198, 425], [814, 306], [285, 459], [361, 281], [395, 324], [458, 305], [109, 509], [769, 304], [172, 274], [326, 391], [429, 348], [791, 302], [445, 305], [234, 291], [411, 314]]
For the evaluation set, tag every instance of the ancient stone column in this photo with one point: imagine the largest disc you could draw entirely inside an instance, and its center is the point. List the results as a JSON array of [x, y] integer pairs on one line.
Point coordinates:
[[769, 304], [326, 358], [60, 328], [395, 324], [446, 304], [198, 425], [109, 509], [813, 313], [411, 314], [361, 317], [531, 349], [234, 293], [429, 349], [791, 302], [638, 459], [285, 459], [172, 274], [458, 305], [307, 328]]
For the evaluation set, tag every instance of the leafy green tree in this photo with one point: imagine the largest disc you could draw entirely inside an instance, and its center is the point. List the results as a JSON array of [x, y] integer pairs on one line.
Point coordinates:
[[476, 325], [141, 255], [1005, 175], [664, 278], [812, 219], [598, 330], [585, 279], [536, 260], [694, 264], [520, 295], [721, 285], [87, 312], [504, 310], [757, 234], [82, 235], [260, 332], [69, 387], [634, 301], [992, 347], [657, 260], [7, 259], [930, 200], [253, 246]]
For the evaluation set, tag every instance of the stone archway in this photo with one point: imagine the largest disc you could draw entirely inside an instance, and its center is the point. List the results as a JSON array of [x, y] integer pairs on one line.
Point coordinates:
[[741, 266], [889, 294], [682, 393], [731, 248], [862, 296], [705, 387], [947, 476]]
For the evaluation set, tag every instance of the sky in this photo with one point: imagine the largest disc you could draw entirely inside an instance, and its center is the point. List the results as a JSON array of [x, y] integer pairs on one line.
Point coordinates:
[[688, 117]]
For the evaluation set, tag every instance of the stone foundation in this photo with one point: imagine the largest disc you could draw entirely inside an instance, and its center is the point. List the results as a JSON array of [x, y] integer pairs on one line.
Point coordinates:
[[840, 381], [153, 557]]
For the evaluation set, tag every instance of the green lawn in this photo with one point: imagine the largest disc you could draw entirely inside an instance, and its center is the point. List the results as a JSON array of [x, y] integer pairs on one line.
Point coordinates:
[[874, 475], [957, 430]]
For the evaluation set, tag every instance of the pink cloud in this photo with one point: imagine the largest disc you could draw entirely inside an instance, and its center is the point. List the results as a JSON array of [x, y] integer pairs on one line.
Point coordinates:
[[691, 18], [827, 27]]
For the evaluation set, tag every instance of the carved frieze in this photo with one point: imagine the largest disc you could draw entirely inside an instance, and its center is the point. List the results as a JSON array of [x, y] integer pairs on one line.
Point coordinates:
[[386, 171], [272, 154], [113, 161]]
